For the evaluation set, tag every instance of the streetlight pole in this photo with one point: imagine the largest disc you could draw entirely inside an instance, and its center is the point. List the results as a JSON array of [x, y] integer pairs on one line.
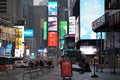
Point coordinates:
[[101, 53], [94, 75]]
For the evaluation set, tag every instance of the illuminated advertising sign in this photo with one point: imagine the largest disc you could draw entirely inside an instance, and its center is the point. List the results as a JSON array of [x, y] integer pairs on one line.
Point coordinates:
[[19, 39], [52, 23], [62, 29], [66, 68], [29, 33], [0, 51], [17, 53], [72, 25], [77, 30], [90, 10], [61, 44], [52, 8], [88, 50], [32, 55], [52, 39], [45, 30], [8, 48]]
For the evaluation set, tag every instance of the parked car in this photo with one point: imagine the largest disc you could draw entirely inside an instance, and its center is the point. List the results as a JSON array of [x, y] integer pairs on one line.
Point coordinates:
[[21, 64]]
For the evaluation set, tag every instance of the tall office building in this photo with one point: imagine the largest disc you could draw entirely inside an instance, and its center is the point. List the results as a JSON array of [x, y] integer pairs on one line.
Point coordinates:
[[36, 16], [25, 10], [10, 10]]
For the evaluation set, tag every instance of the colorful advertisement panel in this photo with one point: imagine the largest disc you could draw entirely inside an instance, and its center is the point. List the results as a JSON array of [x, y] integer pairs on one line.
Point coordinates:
[[72, 25], [90, 10], [52, 23], [45, 30], [28, 33], [8, 48], [52, 8], [62, 29], [19, 40], [52, 39]]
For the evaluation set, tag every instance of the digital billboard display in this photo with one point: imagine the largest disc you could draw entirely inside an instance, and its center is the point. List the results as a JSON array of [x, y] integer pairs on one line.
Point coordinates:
[[0, 51], [88, 50], [52, 23], [28, 33], [52, 8], [52, 39], [19, 32], [45, 30], [90, 10], [72, 25], [77, 31], [8, 48], [62, 29]]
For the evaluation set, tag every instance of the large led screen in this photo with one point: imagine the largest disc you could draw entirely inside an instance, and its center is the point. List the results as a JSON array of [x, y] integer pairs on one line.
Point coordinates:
[[8, 48], [52, 23], [52, 39], [52, 8], [90, 10], [19, 38], [62, 29], [29, 33], [72, 25], [88, 50], [45, 30]]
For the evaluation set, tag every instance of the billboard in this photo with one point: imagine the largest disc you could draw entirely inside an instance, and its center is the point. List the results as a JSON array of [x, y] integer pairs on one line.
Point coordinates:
[[62, 29], [8, 48], [88, 50], [1, 51], [45, 30], [52, 8], [28, 33], [90, 10], [52, 39], [72, 25], [19, 40], [77, 30], [52, 23]]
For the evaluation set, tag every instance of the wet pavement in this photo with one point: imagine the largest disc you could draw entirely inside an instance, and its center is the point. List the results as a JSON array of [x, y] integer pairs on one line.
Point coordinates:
[[55, 74]]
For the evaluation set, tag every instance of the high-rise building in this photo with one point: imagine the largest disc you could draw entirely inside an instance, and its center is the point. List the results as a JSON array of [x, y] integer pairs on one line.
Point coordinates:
[[10, 10], [36, 16]]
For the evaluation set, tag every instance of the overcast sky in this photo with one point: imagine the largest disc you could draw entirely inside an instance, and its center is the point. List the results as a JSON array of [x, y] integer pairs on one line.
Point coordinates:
[[36, 2]]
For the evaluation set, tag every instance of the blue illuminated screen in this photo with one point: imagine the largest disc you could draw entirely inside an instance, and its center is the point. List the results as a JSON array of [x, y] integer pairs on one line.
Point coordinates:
[[90, 10], [29, 33]]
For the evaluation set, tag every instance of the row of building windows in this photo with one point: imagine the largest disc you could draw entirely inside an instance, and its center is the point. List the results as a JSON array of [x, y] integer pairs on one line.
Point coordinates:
[[3, 11], [3, 6], [3, 0]]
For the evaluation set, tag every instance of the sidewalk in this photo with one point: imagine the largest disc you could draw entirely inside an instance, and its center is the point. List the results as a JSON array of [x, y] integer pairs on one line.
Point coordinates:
[[55, 74]]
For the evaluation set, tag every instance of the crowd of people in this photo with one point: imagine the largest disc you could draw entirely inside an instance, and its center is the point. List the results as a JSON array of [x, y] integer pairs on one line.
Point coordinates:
[[40, 63]]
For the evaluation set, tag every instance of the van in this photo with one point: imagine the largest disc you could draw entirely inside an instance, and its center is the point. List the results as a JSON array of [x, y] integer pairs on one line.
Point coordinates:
[[21, 64]]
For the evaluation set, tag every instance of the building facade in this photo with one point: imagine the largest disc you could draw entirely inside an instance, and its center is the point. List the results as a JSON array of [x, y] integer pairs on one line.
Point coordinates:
[[11, 10], [111, 27]]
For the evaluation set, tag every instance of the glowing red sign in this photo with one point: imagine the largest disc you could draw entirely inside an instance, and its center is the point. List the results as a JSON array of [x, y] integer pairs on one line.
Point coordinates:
[[52, 39], [66, 68]]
